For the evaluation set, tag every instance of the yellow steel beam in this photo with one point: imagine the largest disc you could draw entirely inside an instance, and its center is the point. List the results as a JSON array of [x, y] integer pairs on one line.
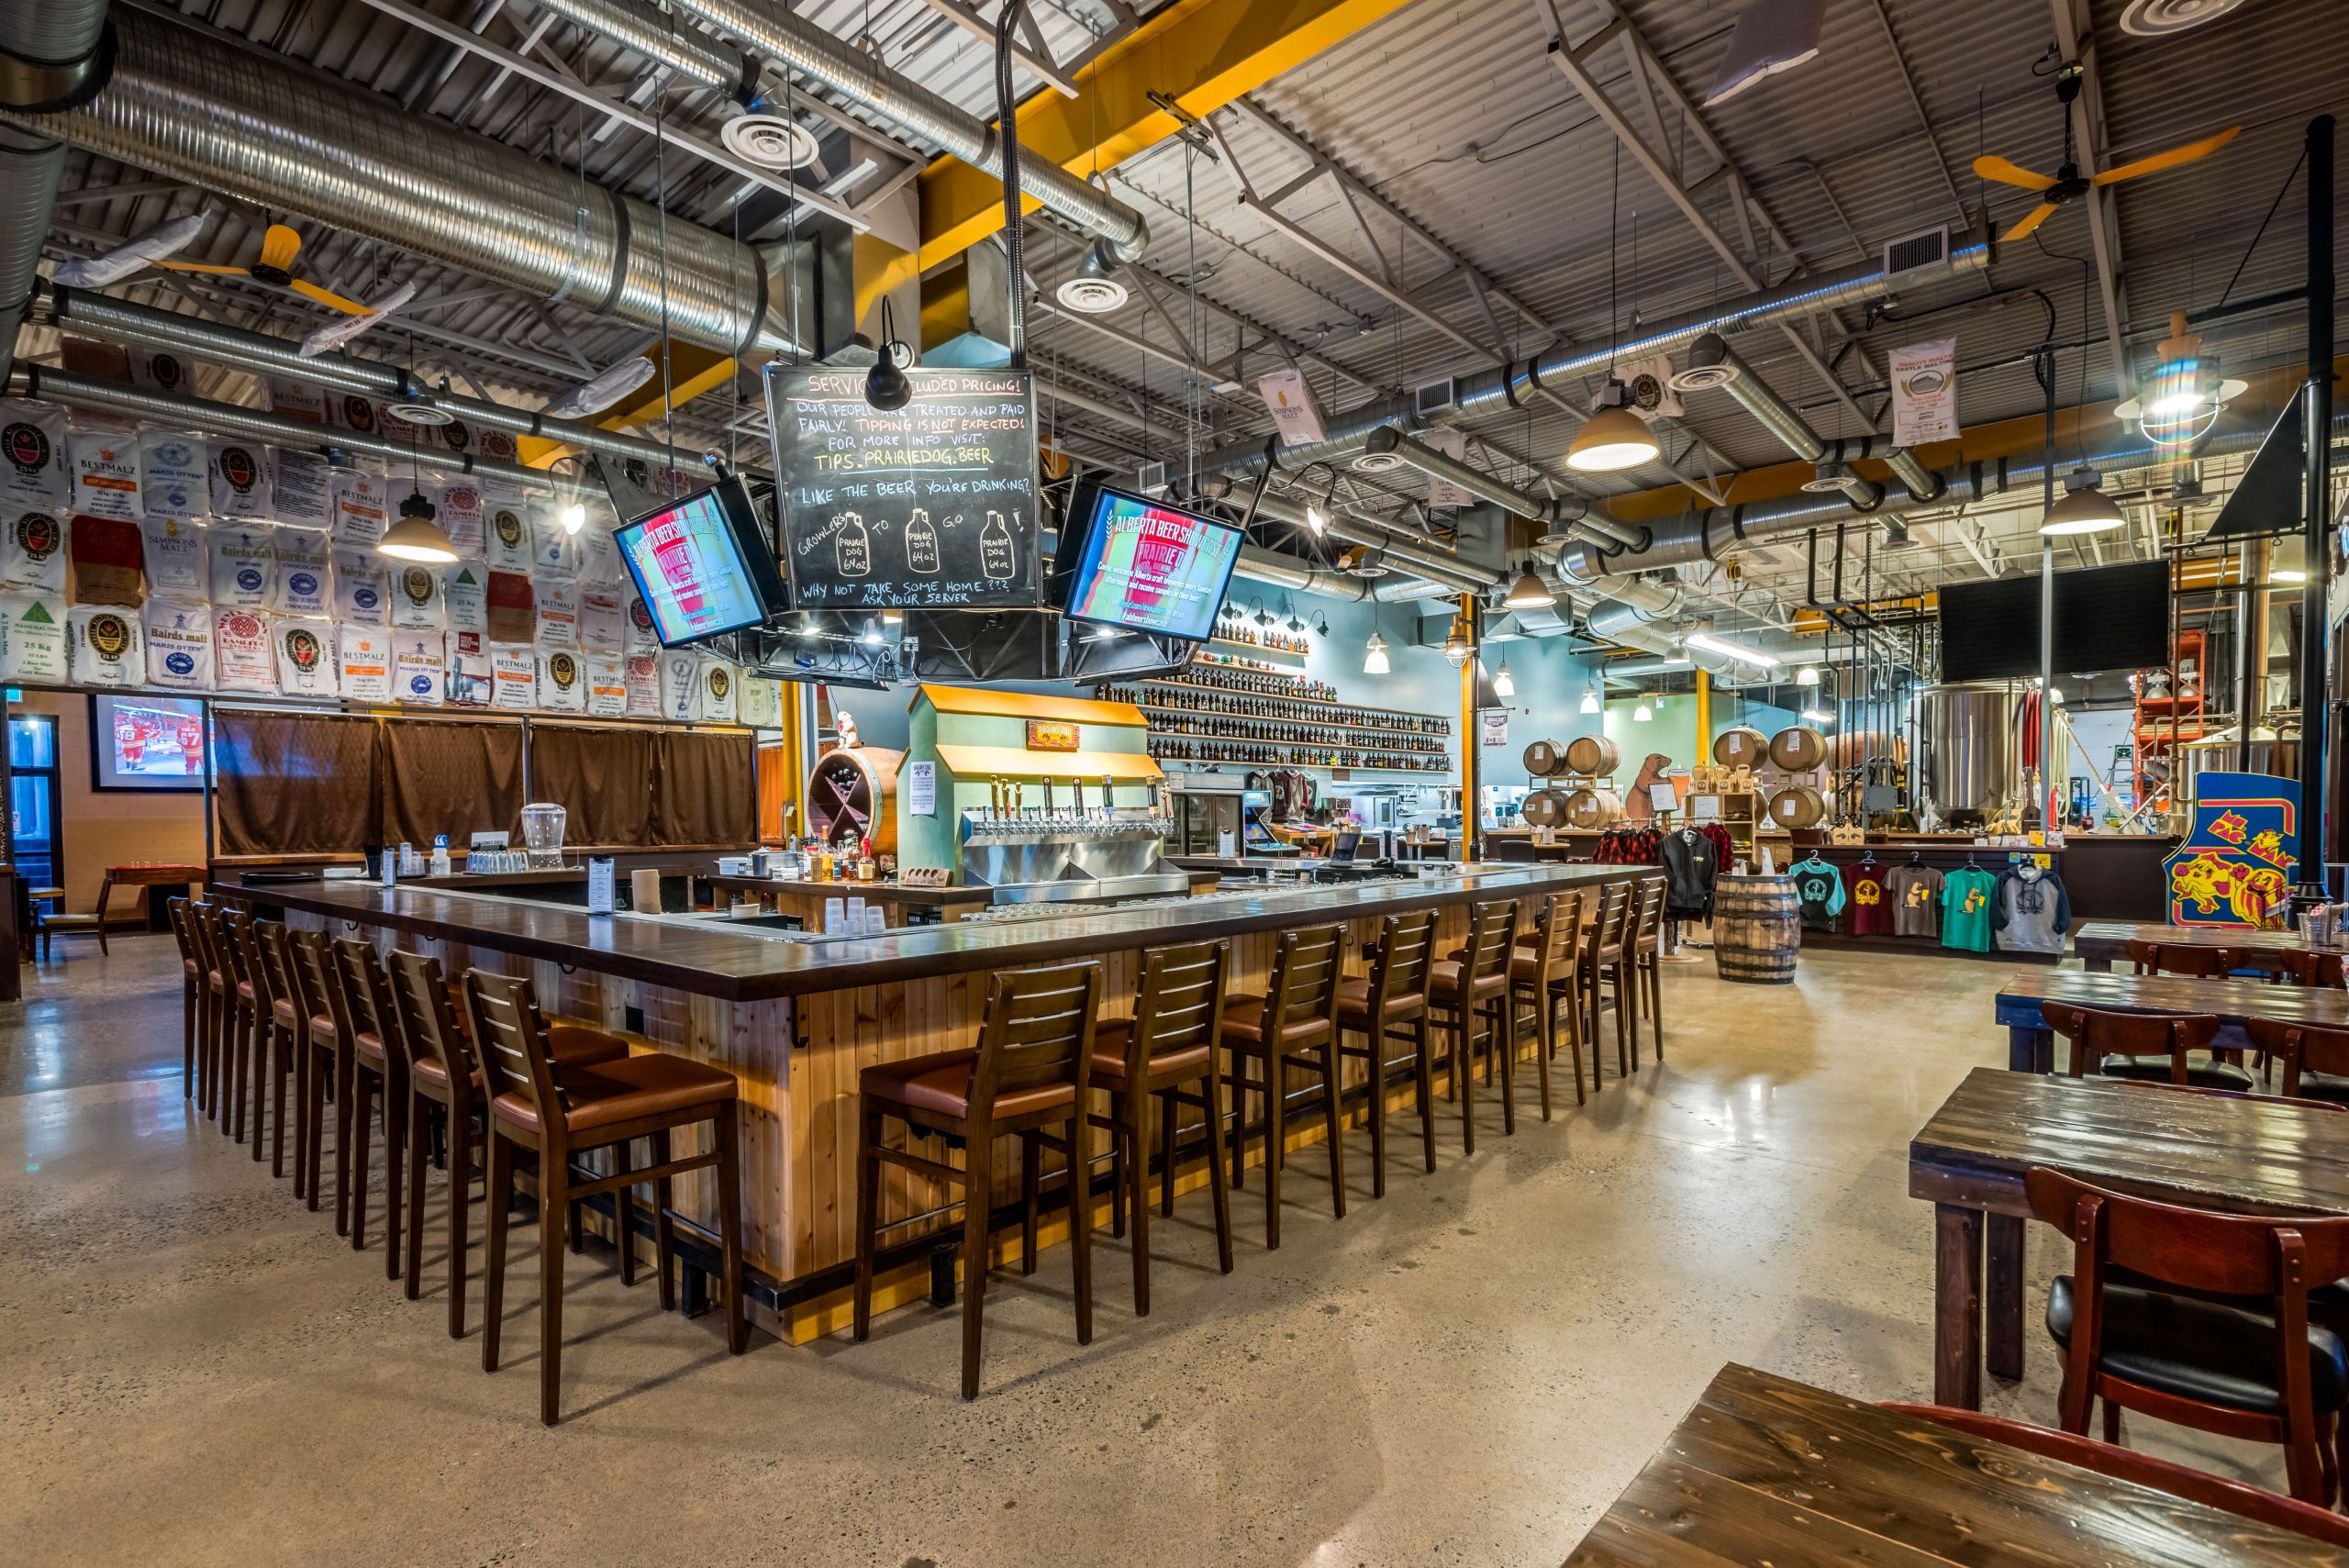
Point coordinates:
[[693, 370], [1198, 54]]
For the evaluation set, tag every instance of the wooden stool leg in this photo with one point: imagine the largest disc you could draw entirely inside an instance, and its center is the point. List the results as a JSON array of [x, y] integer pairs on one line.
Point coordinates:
[[279, 1064], [239, 1051], [396, 1109], [1239, 1082], [1133, 1131], [187, 1038], [346, 1092], [1166, 1155], [624, 1215], [1502, 1020], [978, 1200], [868, 1205], [1031, 1181], [460, 1178], [1080, 1213], [500, 1196], [730, 1226], [1275, 1135], [1376, 1039], [361, 1112], [258, 1030], [664, 1264], [1624, 1001], [420, 1138], [1218, 1186], [1333, 1120], [554, 1179], [1423, 1061], [1464, 1076], [1655, 1004], [1542, 1049]]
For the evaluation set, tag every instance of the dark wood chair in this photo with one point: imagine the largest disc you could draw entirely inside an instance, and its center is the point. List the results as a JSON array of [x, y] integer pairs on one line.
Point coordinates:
[[1470, 995], [1602, 961], [276, 1051], [2254, 1503], [2311, 966], [1031, 1069], [1546, 971], [215, 1004], [2179, 957], [191, 972], [1167, 1051], [1293, 1024], [2144, 1045], [376, 1066], [1390, 1004], [559, 1114], [240, 1011], [1646, 950], [2315, 1059], [322, 1061], [2210, 1330]]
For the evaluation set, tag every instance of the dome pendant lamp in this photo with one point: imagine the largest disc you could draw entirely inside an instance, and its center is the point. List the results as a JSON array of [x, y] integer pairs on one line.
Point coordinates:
[[1614, 439]]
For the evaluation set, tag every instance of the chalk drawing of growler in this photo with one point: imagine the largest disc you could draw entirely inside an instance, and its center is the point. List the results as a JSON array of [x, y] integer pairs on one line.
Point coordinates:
[[921, 544], [852, 548], [995, 558]]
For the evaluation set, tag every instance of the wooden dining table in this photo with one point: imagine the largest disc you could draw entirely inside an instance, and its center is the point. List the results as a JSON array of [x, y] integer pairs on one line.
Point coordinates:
[[2099, 943], [2249, 1154], [2031, 1045], [1766, 1470]]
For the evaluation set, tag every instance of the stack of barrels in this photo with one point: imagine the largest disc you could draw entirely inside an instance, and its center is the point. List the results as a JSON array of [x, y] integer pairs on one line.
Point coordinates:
[[1589, 807]]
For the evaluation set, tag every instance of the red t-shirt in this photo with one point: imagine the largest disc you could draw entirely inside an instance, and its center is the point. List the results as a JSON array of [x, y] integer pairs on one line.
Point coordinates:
[[1871, 905]]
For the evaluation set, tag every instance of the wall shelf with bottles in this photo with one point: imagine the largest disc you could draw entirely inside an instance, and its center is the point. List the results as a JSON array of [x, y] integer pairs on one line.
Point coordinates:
[[1266, 754], [1248, 695], [1270, 645]]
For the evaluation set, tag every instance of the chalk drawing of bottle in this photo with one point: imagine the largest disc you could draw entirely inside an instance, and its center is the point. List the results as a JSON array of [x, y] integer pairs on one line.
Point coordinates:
[[851, 549], [996, 555], [921, 545]]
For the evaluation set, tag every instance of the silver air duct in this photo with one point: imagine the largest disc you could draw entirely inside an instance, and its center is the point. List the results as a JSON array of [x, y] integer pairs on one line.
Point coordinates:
[[111, 320], [1496, 391], [1729, 371], [787, 40], [193, 104], [1573, 514], [49, 57]]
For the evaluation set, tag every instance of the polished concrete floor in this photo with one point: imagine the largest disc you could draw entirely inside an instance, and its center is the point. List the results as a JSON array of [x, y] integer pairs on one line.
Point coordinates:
[[197, 1371]]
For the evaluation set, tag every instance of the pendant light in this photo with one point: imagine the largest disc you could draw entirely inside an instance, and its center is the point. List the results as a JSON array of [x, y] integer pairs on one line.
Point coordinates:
[[1504, 685], [1456, 645], [1642, 713], [887, 385], [417, 536], [1374, 656], [2085, 509], [1590, 702], [1530, 592], [1614, 439], [1806, 676]]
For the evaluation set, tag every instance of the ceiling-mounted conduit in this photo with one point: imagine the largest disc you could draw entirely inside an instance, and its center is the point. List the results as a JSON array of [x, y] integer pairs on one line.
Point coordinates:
[[50, 54], [1573, 514], [1724, 368], [192, 104]]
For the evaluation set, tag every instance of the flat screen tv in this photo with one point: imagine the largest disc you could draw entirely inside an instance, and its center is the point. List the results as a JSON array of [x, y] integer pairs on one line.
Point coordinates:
[[2107, 618], [704, 565], [148, 743], [1144, 566]]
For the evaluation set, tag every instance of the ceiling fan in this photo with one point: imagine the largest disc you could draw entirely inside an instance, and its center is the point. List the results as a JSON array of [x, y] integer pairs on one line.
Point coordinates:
[[2068, 185]]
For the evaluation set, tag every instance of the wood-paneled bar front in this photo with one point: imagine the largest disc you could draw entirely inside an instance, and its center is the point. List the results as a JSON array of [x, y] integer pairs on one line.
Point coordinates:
[[796, 1018]]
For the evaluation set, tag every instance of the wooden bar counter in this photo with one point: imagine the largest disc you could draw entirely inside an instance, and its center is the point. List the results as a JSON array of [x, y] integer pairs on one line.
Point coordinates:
[[796, 1016]]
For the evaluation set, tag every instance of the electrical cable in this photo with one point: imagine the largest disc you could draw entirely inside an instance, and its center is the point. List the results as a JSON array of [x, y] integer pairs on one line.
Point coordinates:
[[2297, 164], [1008, 132]]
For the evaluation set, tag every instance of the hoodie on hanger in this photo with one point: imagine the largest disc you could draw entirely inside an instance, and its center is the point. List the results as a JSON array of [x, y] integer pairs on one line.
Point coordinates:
[[2030, 914]]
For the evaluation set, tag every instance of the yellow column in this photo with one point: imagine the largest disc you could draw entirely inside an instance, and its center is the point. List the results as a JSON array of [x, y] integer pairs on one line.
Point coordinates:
[[1704, 719], [1470, 730]]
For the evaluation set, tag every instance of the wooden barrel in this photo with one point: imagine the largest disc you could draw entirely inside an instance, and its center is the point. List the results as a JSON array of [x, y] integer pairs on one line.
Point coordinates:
[[1797, 748], [1757, 928], [1592, 756], [1848, 751], [1797, 806], [1589, 808], [1544, 757], [1544, 808], [855, 789], [1741, 747]]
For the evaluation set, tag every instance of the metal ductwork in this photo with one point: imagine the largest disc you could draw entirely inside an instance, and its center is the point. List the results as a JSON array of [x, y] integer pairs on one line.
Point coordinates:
[[51, 57], [1448, 571], [111, 320], [785, 40], [1725, 368], [227, 419], [1496, 391], [196, 104], [1572, 515]]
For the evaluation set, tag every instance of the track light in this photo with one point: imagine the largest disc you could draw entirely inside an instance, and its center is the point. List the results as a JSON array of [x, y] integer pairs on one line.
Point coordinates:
[[1615, 438], [1728, 650]]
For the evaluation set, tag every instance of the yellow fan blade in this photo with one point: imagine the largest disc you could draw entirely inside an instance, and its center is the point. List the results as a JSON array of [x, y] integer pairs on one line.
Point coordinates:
[[279, 247], [2170, 160], [2008, 172], [327, 297], [2031, 220], [203, 267]]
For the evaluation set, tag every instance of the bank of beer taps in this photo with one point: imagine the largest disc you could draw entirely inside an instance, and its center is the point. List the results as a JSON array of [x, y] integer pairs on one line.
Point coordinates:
[[1008, 813]]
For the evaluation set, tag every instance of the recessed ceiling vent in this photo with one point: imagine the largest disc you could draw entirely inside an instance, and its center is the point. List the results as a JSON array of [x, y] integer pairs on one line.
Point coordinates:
[[2160, 19], [1928, 248], [770, 141]]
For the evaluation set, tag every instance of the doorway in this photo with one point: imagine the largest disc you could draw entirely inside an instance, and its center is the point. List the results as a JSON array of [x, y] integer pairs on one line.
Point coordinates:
[[35, 836]]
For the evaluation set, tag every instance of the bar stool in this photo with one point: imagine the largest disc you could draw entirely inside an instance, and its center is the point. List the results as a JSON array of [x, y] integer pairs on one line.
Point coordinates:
[[215, 1004], [376, 1065], [1544, 972], [241, 1002], [1391, 1003], [191, 972], [256, 995], [561, 1112], [1646, 958], [274, 1041], [1473, 987], [1167, 1049], [1293, 1024], [318, 997], [1030, 1070], [1602, 960]]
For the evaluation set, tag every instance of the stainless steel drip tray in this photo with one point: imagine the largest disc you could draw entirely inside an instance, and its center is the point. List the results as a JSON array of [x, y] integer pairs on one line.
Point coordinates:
[[1072, 890]]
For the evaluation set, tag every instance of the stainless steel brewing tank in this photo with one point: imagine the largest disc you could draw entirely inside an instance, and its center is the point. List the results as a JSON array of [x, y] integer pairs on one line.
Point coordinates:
[[1966, 736]]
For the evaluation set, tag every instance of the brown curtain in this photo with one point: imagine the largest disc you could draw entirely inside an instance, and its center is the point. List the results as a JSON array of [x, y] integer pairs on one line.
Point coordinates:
[[291, 784], [702, 788], [602, 776], [453, 777]]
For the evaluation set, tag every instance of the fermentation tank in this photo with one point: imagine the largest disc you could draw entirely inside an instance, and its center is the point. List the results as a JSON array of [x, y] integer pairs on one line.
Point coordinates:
[[1966, 733]]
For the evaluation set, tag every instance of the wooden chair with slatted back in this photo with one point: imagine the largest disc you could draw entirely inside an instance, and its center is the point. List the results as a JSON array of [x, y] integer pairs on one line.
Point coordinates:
[[2311, 966], [2156, 1046], [1470, 994], [214, 1006], [2142, 1327], [1293, 1024], [1390, 1004], [2315, 1058], [1545, 971], [240, 1001], [378, 1063], [1170, 1049], [1601, 959], [1646, 958], [191, 976], [2180, 958], [274, 1033], [1032, 1068], [559, 1115], [318, 996]]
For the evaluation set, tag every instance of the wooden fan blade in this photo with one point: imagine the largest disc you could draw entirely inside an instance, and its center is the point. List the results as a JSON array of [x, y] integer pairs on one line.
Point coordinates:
[[2031, 221], [279, 247], [327, 297], [2008, 172], [2170, 160], [205, 267]]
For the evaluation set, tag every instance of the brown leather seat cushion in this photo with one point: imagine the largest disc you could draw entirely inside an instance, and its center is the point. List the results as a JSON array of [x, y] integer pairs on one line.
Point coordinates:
[[367, 1045], [187, 965], [941, 1081], [615, 1092], [1110, 1040], [1354, 1002], [1444, 980], [577, 1045], [245, 990], [1243, 1026], [429, 1070]]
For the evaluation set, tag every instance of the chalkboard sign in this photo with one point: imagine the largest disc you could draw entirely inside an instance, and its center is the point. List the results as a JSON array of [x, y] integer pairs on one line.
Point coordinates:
[[932, 507]]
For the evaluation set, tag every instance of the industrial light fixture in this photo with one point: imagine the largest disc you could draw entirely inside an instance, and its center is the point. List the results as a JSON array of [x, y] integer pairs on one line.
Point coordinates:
[[2180, 400], [417, 536], [1456, 645], [1530, 592], [1615, 438], [1504, 684], [2287, 575], [574, 518], [1813, 715], [1374, 655], [1320, 624], [1642, 713], [1806, 676], [1590, 702], [887, 385], [1263, 616], [2055, 695], [2085, 509], [1728, 650], [1295, 624], [872, 638]]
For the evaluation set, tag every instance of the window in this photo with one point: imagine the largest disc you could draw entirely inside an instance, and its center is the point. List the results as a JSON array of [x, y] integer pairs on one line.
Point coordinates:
[[34, 837]]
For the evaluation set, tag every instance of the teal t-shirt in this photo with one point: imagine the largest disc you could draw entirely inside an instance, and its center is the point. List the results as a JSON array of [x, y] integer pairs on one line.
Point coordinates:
[[1965, 910]]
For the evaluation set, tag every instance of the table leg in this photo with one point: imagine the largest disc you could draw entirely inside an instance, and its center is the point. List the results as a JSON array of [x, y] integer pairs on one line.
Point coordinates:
[[106, 891], [2030, 1049], [2003, 1297], [2096, 965], [1957, 1306]]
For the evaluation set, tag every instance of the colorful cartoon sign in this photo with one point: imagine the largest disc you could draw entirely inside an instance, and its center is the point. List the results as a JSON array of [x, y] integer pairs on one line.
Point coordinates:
[[2235, 867]]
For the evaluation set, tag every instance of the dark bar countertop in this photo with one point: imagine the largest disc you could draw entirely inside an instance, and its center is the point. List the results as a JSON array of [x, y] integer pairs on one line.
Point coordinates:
[[740, 961]]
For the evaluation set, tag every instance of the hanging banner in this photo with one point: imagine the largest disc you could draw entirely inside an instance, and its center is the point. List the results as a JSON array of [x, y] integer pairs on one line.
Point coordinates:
[[680, 685], [464, 596], [32, 547], [306, 666], [720, 681], [103, 646], [32, 454], [1924, 393], [176, 470], [607, 687], [558, 616], [361, 505], [300, 400], [469, 673], [641, 674], [460, 504], [302, 562], [179, 645], [514, 671], [366, 658], [105, 552], [1453, 444], [415, 598], [760, 704], [362, 587], [176, 566], [239, 480], [32, 636], [305, 487], [1289, 398], [106, 467], [603, 621], [506, 535], [240, 659], [1494, 726], [563, 681], [417, 668]]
